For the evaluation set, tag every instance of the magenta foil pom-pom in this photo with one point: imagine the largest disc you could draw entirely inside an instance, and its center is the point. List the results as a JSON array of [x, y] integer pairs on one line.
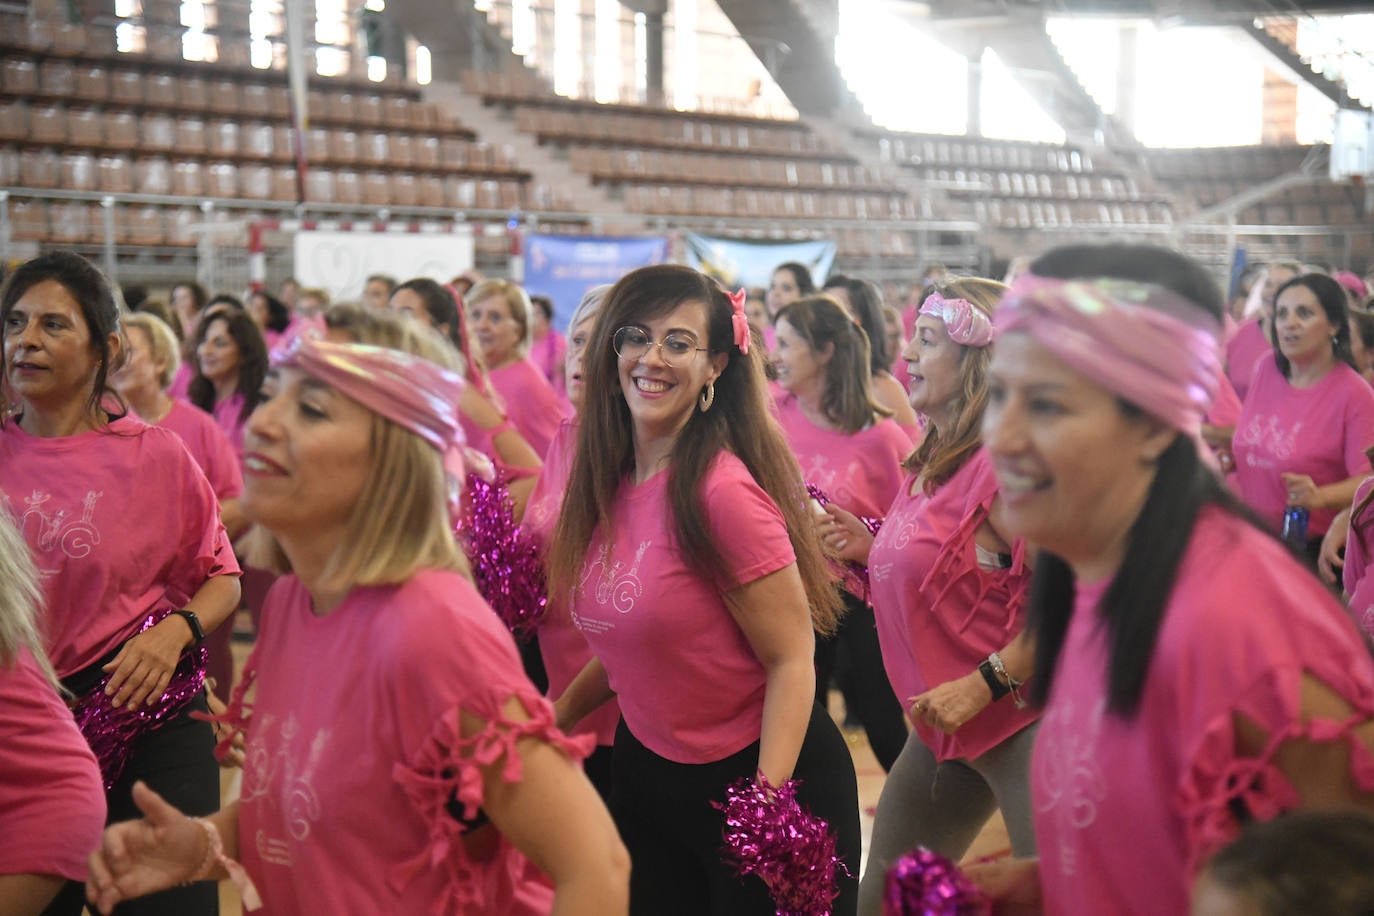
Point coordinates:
[[111, 731], [769, 834], [924, 883], [853, 576], [506, 565]]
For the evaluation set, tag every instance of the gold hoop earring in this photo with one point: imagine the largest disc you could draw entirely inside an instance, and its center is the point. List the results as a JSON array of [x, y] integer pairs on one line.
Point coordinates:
[[708, 397]]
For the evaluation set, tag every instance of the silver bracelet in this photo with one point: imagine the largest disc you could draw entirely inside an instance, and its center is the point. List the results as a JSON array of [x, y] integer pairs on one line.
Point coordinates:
[[1000, 669]]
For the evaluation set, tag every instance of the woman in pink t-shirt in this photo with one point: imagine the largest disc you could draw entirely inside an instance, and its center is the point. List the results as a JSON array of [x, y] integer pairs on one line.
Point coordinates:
[[561, 644], [682, 548], [498, 315], [863, 302], [948, 589], [849, 448], [1194, 675], [52, 806], [124, 528], [231, 362], [1309, 416], [548, 348], [149, 364], [396, 757]]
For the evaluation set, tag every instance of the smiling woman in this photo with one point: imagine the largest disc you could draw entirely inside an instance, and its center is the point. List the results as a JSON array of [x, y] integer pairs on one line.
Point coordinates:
[[125, 605], [1194, 675]]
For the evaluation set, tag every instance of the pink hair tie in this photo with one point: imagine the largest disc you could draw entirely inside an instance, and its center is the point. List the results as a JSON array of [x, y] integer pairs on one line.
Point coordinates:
[[967, 325], [408, 390], [739, 320], [1141, 341]]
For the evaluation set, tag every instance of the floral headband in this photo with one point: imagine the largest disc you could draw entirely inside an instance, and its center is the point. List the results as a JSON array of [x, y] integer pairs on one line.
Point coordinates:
[[966, 324]]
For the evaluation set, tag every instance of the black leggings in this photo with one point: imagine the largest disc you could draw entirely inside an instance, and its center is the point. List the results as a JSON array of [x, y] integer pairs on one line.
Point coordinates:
[[177, 761], [855, 659], [664, 814]]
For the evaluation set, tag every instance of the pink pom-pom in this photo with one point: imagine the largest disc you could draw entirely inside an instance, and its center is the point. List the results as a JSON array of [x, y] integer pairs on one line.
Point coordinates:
[[506, 565], [924, 883], [769, 834], [853, 576]]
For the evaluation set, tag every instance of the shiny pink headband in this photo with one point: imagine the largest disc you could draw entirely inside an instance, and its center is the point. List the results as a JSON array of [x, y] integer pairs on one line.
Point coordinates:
[[966, 324], [1141, 341], [412, 392]]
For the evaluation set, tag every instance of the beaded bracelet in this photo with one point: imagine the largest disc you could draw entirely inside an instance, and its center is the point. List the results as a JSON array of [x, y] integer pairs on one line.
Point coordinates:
[[1013, 684]]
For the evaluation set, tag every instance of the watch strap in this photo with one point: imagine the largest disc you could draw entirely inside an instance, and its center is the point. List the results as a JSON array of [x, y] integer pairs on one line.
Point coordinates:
[[994, 683], [192, 621]]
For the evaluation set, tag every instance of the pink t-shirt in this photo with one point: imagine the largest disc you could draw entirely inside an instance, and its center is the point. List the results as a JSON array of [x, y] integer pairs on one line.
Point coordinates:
[[52, 802], [121, 523], [1245, 350], [561, 643], [548, 354], [1225, 409], [1321, 431], [208, 445], [938, 613], [690, 687], [860, 471], [531, 402], [227, 414], [354, 752], [181, 382], [1127, 810], [1359, 584]]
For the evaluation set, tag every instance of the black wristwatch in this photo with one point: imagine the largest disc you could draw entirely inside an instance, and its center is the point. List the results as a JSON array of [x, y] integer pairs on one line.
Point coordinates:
[[193, 622], [995, 684]]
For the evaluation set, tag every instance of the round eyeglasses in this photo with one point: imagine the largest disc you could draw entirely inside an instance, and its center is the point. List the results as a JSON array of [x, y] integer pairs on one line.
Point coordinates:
[[675, 349]]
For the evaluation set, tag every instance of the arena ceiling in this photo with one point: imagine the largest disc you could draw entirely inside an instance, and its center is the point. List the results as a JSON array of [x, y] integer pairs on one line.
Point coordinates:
[[1174, 12]]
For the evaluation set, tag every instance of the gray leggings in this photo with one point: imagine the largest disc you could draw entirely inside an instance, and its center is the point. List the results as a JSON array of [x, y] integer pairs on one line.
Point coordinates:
[[943, 806]]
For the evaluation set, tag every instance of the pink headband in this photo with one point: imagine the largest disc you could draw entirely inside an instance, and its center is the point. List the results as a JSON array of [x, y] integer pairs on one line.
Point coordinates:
[[966, 324], [412, 392], [1141, 341]]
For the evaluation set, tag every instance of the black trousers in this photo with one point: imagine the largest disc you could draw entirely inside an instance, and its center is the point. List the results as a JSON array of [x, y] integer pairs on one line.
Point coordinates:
[[664, 814], [177, 761], [855, 659]]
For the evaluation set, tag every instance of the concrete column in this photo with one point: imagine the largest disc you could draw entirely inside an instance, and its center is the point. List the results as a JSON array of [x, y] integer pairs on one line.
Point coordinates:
[[1127, 77], [975, 96], [653, 56]]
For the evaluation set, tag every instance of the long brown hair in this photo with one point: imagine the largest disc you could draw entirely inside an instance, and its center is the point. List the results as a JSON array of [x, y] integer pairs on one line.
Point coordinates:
[[739, 421], [942, 452], [848, 398]]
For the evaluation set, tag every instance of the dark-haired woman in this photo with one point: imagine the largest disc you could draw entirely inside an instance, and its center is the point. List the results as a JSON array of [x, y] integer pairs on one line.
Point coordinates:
[[864, 302], [949, 587], [126, 532], [849, 447], [789, 282], [231, 362], [188, 301], [271, 316], [1194, 675], [686, 554], [1309, 416]]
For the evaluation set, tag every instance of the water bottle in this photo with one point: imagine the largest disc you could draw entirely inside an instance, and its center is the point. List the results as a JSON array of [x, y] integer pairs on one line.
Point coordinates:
[[1295, 528]]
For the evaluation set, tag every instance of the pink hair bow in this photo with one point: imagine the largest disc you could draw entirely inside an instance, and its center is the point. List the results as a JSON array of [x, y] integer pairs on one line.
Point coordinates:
[[965, 324], [739, 320]]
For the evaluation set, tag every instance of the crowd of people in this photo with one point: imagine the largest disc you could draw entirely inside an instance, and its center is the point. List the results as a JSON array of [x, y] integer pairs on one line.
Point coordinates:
[[1089, 547]]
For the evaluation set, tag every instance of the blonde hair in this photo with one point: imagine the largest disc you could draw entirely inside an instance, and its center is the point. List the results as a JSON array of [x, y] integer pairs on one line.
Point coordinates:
[[942, 452], [162, 343], [516, 299], [400, 523], [20, 599]]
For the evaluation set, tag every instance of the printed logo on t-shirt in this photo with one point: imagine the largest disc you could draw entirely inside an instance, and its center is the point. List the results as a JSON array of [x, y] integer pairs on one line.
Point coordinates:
[[1270, 441], [836, 483], [880, 571], [1065, 772], [49, 527], [613, 586], [279, 777]]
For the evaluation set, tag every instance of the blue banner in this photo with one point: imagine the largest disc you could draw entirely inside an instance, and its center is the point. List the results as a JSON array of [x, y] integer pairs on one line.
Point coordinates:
[[564, 267], [749, 262]]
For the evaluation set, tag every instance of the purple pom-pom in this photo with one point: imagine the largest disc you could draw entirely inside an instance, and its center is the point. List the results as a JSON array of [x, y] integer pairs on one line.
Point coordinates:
[[853, 576], [506, 565], [924, 883], [767, 833], [111, 731]]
